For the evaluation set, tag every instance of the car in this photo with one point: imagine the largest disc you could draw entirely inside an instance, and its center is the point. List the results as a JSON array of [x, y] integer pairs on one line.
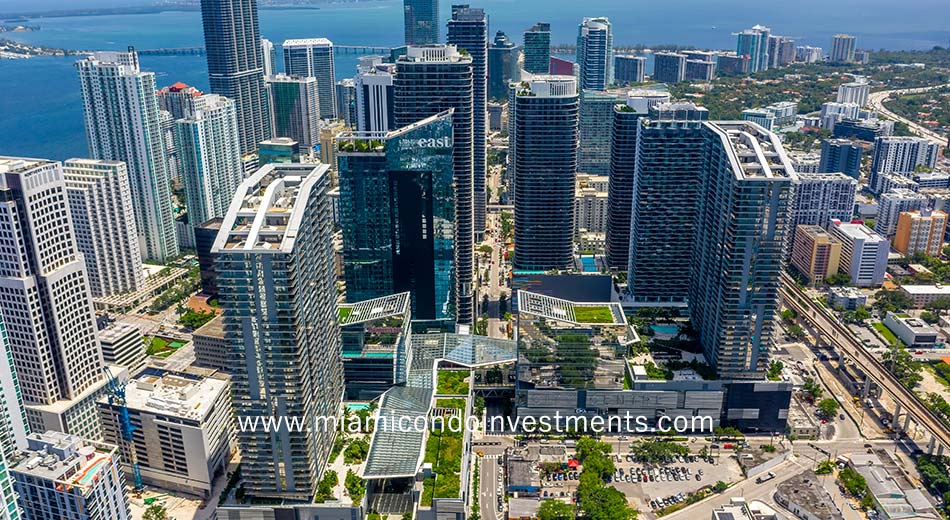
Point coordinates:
[[700, 471], [841, 416], [699, 477]]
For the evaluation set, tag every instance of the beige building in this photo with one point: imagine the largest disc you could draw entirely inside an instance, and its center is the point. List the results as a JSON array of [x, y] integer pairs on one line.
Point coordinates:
[[920, 231], [815, 253], [590, 204]]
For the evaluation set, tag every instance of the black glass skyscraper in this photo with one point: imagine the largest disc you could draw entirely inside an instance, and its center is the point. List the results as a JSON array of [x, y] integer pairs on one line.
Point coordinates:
[[468, 30], [543, 151], [537, 48], [422, 21], [397, 210], [236, 64], [431, 79], [502, 66]]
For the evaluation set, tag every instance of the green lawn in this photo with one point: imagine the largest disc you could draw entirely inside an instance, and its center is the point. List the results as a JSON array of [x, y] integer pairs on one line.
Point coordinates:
[[593, 314], [444, 451], [452, 382], [344, 312], [161, 347], [450, 403], [885, 332]]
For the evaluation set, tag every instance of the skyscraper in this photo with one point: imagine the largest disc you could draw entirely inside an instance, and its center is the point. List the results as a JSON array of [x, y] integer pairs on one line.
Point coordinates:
[[275, 283], [422, 21], [431, 79], [270, 56], [901, 155], [700, 70], [503, 66], [13, 427], [468, 31], [176, 99], [314, 57], [45, 299], [630, 69], [209, 149], [542, 113], [840, 155], [595, 120], [537, 48], [117, 94], [709, 233], [374, 97], [823, 197], [595, 53], [397, 211], [754, 43], [892, 204], [100, 203], [842, 48], [295, 109], [669, 67], [623, 153], [236, 64], [346, 101]]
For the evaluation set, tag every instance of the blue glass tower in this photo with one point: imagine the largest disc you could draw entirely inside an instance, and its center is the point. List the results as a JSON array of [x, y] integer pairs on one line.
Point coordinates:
[[397, 203], [422, 21]]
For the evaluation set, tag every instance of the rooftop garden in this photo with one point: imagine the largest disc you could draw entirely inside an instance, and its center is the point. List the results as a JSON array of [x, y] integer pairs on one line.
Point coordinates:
[[593, 314], [344, 312], [444, 451], [161, 347], [452, 382]]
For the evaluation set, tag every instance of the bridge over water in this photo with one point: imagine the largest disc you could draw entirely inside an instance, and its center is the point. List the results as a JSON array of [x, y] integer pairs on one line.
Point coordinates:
[[200, 51]]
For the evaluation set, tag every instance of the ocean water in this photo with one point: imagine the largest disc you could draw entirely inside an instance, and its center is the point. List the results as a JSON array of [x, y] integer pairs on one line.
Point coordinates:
[[41, 113]]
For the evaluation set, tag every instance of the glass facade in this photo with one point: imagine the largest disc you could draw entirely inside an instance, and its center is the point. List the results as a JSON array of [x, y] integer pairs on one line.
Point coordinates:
[[422, 21], [502, 66], [432, 79], [236, 64], [398, 215], [707, 233], [564, 345], [596, 118], [595, 54], [374, 335], [537, 49], [544, 129]]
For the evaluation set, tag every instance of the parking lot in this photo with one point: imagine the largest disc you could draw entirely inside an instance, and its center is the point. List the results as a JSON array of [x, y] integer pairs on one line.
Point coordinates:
[[653, 482]]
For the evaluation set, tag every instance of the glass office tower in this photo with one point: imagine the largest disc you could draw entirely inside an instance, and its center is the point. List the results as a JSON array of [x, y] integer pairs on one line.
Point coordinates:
[[422, 21], [537, 48], [397, 210], [431, 79], [595, 54]]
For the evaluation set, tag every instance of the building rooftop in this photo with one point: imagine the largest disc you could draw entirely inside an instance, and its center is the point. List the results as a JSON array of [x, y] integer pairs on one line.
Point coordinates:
[[755, 152], [116, 332], [307, 42], [65, 459], [608, 313], [267, 209], [20, 164], [916, 325], [547, 86], [214, 328], [186, 395], [857, 232], [805, 491], [375, 309], [926, 289]]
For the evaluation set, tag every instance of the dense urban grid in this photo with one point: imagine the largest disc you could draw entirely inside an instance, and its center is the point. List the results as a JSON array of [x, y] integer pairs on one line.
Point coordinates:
[[719, 277]]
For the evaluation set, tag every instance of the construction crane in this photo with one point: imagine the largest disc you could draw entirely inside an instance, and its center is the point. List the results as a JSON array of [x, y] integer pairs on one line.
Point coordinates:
[[126, 428]]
